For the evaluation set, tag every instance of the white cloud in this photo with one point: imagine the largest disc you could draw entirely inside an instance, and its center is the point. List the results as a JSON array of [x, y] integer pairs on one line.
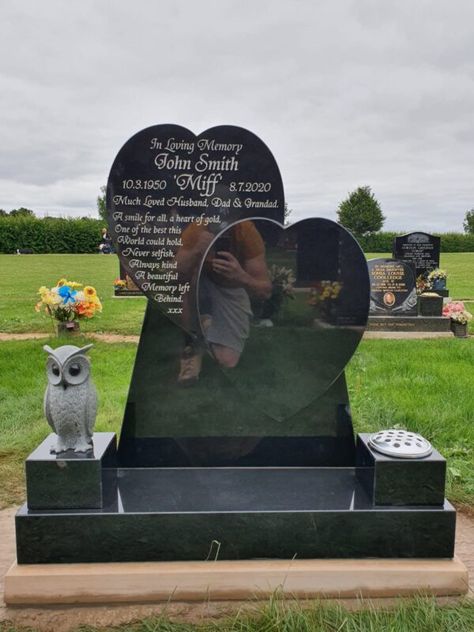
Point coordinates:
[[345, 94]]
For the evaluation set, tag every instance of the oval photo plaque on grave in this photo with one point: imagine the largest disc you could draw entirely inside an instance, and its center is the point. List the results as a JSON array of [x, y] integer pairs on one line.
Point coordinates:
[[165, 184]]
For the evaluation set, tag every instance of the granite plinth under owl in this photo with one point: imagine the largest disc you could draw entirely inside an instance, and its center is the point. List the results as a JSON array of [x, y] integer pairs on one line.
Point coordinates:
[[70, 400]]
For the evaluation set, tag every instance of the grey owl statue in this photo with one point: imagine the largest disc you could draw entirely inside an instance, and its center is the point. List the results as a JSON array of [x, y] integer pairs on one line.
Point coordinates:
[[70, 400]]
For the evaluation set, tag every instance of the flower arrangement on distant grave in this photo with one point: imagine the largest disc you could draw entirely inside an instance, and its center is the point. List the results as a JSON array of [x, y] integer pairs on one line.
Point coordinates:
[[422, 284], [456, 311], [322, 295], [68, 302], [119, 284], [283, 280], [437, 274]]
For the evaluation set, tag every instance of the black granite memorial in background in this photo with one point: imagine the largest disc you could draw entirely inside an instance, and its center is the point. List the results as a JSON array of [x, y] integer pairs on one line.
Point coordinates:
[[235, 436], [392, 288], [130, 288], [419, 249], [395, 304]]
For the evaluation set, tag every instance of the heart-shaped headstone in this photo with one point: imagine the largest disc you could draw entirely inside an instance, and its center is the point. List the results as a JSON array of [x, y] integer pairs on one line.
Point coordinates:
[[165, 185], [283, 310]]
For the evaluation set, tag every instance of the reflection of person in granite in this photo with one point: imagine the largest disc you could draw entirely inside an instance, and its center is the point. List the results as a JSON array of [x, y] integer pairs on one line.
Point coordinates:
[[235, 271]]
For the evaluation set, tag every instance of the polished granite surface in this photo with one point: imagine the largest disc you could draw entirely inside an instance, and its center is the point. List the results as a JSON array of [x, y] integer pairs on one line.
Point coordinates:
[[104, 445], [184, 514], [233, 490], [212, 424], [69, 479]]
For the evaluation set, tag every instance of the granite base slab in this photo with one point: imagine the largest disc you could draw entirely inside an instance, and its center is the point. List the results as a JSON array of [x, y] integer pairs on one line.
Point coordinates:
[[63, 584], [173, 514], [408, 323]]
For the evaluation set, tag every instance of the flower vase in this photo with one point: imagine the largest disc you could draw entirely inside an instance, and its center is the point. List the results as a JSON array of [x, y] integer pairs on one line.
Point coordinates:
[[459, 329], [439, 284], [68, 328]]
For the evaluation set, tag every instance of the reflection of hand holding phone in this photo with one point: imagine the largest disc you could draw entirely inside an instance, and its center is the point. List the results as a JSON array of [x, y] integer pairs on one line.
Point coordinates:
[[222, 244]]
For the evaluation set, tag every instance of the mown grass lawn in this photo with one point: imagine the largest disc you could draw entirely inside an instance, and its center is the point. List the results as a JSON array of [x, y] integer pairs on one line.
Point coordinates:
[[21, 276], [423, 385]]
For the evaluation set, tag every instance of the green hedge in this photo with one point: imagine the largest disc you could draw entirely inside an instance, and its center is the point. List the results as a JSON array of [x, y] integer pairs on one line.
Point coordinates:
[[450, 242], [50, 234], [61, 235]]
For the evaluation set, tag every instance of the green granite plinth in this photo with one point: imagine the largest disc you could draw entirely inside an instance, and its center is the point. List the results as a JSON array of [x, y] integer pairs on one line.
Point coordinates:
[[69, 480], [402, 482]]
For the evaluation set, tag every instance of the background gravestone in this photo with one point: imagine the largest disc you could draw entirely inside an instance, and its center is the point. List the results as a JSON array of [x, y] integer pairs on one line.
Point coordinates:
[[130, 288], [420, 249], [392, 288]]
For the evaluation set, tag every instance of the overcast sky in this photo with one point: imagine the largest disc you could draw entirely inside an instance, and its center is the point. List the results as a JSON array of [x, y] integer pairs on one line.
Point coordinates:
[[345, 93]]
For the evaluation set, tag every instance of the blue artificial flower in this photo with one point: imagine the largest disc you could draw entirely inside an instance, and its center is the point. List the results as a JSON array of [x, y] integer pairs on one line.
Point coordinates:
[[67, 294]]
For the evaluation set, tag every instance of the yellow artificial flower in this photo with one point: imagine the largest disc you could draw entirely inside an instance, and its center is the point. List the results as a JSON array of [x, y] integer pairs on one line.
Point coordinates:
[[61, 282], [74, 285], [89, 292]]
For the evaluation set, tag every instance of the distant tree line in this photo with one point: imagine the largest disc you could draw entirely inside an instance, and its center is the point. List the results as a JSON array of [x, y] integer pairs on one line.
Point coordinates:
[[83, 235], [360, 213], [17, 212]]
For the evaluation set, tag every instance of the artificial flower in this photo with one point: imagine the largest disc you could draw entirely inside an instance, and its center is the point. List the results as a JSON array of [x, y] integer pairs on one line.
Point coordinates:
[[67, 294], [89, 291]]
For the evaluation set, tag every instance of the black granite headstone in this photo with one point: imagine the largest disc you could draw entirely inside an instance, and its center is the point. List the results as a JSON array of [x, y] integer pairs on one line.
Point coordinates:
[[237, 427], [286, 365], [419, 249], [165, 184], [392, 288], [235, 393], [284, 400]]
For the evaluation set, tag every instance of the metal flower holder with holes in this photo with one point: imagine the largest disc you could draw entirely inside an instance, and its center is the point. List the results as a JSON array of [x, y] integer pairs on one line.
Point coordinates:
[[67, 303]]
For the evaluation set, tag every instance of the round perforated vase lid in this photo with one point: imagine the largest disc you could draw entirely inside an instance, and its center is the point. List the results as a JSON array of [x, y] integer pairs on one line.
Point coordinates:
[[400, 443]]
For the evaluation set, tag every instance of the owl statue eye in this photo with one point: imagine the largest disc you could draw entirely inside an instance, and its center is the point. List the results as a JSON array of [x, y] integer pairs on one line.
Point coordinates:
[[55, 369], [74, 369]]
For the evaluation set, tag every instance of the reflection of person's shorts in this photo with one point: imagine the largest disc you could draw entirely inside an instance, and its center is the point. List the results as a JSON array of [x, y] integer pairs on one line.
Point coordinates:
[[229, 309]]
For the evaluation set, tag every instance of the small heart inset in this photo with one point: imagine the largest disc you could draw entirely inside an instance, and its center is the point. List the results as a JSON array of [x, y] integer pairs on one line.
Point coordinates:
[[283, 310], [165, 185]]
